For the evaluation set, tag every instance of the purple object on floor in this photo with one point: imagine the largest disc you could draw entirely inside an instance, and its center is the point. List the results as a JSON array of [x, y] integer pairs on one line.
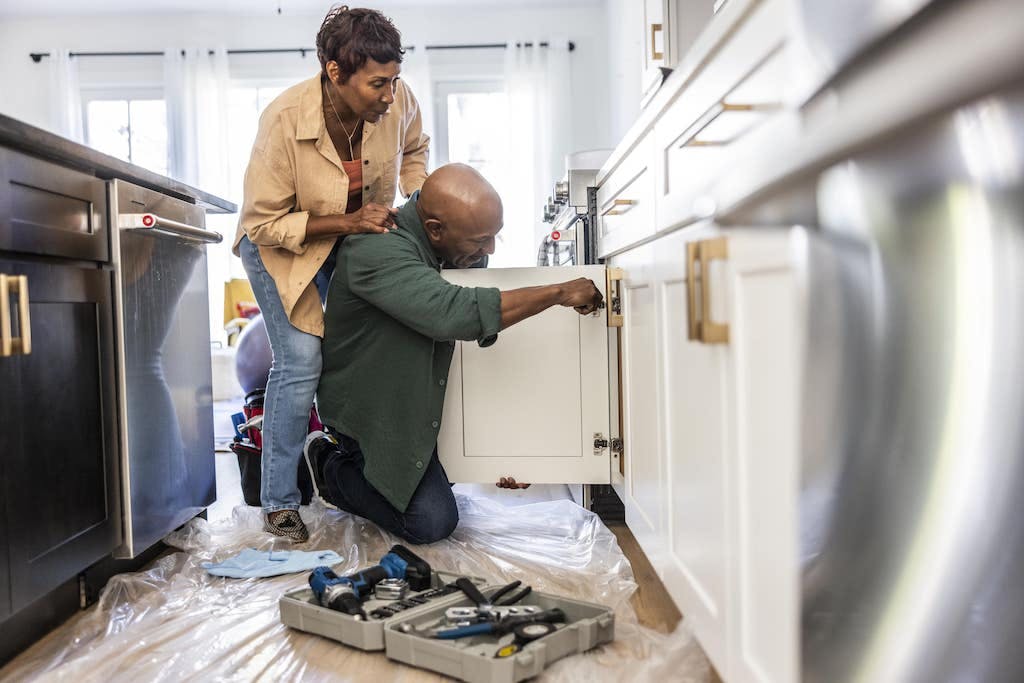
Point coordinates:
[[253, 357]]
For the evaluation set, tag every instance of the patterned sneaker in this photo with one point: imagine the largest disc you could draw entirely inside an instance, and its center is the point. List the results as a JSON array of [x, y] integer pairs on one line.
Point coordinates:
[[318, 447], [287, 523]]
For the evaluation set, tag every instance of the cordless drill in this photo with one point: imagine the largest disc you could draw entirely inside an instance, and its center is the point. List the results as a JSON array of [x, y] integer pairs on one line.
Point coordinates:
[[346, 593]]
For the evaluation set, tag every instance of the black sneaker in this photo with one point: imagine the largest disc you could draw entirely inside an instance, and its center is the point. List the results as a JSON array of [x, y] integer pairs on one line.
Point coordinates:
[[318, 448]]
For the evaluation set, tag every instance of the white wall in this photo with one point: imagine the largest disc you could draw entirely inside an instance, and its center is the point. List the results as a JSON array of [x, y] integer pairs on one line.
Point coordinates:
[[625, 47], [23, 83]]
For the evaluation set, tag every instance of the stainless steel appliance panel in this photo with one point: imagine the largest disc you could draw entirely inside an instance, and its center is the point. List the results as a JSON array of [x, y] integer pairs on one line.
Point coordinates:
[[913, 541], [167, 407]]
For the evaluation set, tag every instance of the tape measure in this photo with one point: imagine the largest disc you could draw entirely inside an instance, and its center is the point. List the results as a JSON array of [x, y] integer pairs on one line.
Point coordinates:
[[525, 633], [506, 651]]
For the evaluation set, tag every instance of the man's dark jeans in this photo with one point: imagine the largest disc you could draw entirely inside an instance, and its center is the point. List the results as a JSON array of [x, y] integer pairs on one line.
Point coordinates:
[[431, 515]]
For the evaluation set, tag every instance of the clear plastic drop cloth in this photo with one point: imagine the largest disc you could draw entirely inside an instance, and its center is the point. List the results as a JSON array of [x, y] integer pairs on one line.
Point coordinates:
[[175, 622]]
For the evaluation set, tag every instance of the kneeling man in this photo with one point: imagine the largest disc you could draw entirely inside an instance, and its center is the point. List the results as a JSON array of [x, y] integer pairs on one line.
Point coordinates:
[[390, 329]]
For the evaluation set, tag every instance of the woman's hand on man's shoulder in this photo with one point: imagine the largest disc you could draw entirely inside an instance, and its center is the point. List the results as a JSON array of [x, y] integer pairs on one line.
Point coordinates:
[[372, 218]]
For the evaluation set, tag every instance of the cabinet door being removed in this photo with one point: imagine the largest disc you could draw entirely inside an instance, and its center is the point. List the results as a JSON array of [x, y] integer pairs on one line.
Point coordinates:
[[531, 405]]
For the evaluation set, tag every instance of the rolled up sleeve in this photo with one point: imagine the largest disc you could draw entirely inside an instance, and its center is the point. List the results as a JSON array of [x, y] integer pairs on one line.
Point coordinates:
[[388, 273], [268, 213], [489, 306]]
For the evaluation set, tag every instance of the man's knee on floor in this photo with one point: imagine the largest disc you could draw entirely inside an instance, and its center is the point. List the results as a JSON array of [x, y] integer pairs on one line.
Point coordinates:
[[432, 528]]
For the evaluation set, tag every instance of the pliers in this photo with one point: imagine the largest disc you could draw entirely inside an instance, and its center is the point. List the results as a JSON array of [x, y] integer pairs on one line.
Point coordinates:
[[495, 597]]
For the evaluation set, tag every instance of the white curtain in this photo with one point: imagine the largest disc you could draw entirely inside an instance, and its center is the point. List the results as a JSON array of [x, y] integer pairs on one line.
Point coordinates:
[[416, 74], [537, 83], [65, 96], [196, 85], [196, 89]]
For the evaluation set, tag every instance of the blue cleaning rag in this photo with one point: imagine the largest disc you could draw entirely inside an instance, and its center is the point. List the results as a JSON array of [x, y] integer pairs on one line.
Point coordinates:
[[261, 563]]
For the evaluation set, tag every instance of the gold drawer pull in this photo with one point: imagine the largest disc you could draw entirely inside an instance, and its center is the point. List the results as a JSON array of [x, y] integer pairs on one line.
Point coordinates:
[[707, 251], [616, 210], [613, 296], [11, 345], [655, 55], [691, 137]]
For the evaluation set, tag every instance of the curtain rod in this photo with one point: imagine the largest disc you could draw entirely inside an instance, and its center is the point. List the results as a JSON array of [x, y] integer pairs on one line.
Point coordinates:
[[38, 56]]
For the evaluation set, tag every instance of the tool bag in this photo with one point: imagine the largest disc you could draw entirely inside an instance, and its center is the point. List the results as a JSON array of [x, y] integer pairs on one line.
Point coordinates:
[[248, 449]]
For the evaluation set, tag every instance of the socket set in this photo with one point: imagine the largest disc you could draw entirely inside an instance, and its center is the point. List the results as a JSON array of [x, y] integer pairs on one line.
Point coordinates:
[[392, 608]]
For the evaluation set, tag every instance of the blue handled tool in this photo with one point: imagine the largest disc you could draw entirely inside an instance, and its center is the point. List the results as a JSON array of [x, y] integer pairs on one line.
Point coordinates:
[[346, 593], [506, 625]]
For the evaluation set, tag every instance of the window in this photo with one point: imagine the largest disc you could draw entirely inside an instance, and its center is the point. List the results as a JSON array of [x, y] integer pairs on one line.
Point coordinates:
[[470, 115], [132, 127], [472, 128], [246, 104]]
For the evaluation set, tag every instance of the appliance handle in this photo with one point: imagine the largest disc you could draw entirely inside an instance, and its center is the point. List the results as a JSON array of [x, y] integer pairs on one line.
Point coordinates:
[[155, 223]]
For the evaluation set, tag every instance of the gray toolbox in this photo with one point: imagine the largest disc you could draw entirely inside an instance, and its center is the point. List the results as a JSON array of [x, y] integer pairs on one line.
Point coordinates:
[[407, 636], [300, 610]]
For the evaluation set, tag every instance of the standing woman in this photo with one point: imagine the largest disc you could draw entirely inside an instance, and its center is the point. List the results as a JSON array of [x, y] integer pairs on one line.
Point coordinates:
[[328, 157]]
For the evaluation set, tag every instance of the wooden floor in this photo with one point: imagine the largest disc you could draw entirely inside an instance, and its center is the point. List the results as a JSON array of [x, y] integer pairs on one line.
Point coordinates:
[[654, 607]]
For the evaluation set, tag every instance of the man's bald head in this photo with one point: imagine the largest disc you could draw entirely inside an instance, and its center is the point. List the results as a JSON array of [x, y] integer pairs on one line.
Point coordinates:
[[461, 213]]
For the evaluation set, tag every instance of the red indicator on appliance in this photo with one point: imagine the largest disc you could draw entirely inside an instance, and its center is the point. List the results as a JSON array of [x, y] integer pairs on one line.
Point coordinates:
[[556, 235], [147, 220]]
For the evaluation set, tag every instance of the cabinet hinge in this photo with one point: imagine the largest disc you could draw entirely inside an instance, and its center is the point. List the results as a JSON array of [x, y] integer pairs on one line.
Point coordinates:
[[601, 442]]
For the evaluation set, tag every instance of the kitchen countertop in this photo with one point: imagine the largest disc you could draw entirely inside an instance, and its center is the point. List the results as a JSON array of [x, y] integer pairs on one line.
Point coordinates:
[[38, 142]]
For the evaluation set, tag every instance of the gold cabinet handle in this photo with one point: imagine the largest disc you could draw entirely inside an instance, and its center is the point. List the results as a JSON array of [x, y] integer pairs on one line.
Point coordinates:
[[11, 345], [691, 137], [616, 209], [708, 251], [692, 324], [655, 55], [613, 296]]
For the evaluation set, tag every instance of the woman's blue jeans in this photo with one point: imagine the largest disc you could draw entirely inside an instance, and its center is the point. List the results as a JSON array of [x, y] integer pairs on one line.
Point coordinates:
[[294, 376]]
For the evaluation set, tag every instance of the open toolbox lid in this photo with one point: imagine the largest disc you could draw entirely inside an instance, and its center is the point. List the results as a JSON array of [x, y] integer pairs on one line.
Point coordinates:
[[474, 658]]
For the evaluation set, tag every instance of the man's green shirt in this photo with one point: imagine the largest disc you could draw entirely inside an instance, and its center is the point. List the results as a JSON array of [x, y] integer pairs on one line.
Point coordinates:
[[389, 333]]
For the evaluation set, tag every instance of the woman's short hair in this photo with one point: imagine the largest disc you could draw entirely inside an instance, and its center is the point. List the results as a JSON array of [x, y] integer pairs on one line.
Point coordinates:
[[351, 36]]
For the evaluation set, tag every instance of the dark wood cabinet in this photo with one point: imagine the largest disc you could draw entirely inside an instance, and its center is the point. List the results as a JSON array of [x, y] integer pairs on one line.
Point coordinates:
[[61, 499], [10, 440]]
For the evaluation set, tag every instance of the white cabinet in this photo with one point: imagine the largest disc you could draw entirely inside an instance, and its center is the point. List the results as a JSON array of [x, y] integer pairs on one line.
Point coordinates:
[[710, 363], [645, 490], [531, 405], [655, 43], [711, 380], [693, 403], [766, 313], [625, 201]]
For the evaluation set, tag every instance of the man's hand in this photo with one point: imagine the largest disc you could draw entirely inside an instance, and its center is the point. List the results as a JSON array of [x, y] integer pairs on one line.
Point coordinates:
[[510, 483], [582, 295], [370, 218], [519, 304]]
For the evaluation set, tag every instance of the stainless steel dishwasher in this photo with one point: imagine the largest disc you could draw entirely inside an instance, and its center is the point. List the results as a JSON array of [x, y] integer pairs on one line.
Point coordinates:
[[163, 342]]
